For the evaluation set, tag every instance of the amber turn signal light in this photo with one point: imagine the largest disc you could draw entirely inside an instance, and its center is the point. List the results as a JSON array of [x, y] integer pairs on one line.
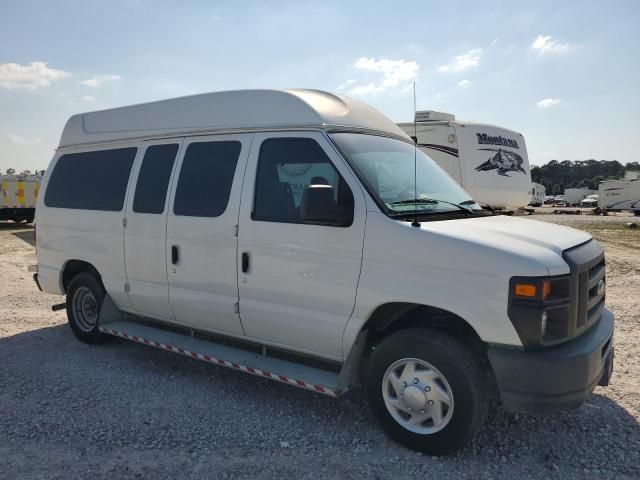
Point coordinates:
[[546, 289], [525, 290]]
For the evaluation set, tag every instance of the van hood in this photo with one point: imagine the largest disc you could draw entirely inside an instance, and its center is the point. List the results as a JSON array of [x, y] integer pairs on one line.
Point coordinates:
[[538, 240]]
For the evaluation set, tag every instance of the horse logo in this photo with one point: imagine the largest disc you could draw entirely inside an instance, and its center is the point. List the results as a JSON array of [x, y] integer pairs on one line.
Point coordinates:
[[503, 161]]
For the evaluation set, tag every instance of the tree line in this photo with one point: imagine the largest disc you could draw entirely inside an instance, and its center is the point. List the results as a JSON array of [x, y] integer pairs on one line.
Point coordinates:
[[556, 176]]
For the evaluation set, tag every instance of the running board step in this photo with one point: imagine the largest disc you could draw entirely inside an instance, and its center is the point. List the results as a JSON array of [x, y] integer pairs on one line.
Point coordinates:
[[315, 379]]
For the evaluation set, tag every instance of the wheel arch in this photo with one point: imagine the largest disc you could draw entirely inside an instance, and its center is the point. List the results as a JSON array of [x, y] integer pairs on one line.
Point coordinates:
[[389, 318], [72, 268], [392, 317]]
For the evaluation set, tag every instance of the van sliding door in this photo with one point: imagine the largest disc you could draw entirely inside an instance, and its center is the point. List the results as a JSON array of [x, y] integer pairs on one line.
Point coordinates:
[[146, 223], [201, 232]]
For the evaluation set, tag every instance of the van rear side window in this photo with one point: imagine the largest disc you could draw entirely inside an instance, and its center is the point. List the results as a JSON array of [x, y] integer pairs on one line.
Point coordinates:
[[91, 180], [153, 179], [205, 178]]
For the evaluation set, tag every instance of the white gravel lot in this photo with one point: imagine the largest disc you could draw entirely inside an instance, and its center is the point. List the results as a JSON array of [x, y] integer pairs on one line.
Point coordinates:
[[122, 410]]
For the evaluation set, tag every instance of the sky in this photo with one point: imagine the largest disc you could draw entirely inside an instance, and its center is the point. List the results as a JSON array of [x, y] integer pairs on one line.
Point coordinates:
[[565, 74]]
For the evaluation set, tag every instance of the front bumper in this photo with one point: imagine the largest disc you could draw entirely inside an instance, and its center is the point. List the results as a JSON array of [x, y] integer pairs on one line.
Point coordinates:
[[556, 378]]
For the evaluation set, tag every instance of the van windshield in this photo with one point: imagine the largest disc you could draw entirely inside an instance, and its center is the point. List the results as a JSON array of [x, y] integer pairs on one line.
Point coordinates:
[[387, 166]]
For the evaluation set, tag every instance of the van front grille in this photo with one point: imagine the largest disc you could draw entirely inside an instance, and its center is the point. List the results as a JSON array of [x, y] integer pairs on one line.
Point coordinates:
[[587, 265], [590, 300]]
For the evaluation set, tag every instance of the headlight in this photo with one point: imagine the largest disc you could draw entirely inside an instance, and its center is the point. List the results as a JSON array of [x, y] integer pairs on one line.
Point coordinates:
[[539, 309]]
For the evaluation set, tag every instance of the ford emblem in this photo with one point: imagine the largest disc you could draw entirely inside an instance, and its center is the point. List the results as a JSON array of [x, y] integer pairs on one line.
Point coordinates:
[[600, 287]]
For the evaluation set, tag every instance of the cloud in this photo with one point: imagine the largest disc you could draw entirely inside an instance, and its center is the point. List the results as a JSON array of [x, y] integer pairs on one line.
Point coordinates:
[[548, 102], [344, 85], [546, 45], [31, 76], [494, 41], [98, 80], [19, 140], [464, 83], [365, 89], [88, 98], [393, 73], [462, 62]]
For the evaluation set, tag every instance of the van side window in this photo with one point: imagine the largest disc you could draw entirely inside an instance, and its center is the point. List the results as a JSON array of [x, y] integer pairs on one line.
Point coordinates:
[[153, 179], [205, 178], [91, 180], [296, 183]]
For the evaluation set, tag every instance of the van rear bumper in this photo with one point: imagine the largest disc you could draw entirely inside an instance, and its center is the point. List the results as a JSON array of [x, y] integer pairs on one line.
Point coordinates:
[[557, 378]]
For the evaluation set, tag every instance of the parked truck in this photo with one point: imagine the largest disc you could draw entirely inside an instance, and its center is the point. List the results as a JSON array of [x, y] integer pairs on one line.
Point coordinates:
[[574, 196], [18, 196], [489, 162]]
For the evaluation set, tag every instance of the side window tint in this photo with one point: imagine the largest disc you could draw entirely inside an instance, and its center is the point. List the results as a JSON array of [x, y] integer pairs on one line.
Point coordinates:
[[205, 178], [153, 179], [91, 180], [296, 183]]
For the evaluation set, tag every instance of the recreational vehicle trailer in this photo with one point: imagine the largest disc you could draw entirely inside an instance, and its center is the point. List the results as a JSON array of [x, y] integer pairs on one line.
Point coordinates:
[[282, 233], [489, 162], [538, 193], [620, 195]]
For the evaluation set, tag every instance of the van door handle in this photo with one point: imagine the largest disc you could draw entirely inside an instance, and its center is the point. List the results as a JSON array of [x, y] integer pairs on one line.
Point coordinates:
[[174, 254], [245, 262]]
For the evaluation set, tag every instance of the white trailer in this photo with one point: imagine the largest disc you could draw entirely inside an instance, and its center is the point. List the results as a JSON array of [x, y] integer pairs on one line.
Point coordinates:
[[489, 162], [573, 196], [18, 197], [538, 193], [620, 195]]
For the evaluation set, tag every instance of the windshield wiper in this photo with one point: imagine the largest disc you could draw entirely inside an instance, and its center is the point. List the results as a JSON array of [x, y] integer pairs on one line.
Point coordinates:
[[433, 201], [485, 206]]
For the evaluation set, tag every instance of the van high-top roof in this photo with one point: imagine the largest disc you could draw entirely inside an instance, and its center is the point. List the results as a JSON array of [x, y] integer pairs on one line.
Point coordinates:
[[226, 111]]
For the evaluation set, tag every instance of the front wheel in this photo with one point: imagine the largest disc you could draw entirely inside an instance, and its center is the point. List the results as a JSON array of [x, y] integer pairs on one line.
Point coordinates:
[[427, 390]]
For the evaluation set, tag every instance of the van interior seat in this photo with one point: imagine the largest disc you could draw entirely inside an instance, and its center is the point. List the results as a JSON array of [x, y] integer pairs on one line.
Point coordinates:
[[319, 181], [318, 203], [274, 199]]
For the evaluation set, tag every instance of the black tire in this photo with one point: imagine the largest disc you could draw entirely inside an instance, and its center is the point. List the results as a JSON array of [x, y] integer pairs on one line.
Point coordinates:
[[85, 294], [464, 373]]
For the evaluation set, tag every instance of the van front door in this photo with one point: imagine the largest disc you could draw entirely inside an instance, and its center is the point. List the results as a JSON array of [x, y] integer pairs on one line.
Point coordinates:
[[300, 245], [146, 224], [201, 233]]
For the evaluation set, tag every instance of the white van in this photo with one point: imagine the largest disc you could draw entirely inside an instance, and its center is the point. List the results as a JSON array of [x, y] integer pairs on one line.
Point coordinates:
[[279, 233], [491, 163]]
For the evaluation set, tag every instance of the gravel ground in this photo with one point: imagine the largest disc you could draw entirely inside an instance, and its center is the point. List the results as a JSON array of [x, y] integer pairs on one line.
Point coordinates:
[[69, 410]]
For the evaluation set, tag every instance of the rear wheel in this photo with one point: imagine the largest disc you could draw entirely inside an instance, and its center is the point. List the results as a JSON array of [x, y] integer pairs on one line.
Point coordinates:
[[427, 390], [85, 295]]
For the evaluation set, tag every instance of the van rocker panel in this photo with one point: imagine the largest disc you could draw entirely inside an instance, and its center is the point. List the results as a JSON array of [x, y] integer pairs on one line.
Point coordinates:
[[291, 373], [556, 378]]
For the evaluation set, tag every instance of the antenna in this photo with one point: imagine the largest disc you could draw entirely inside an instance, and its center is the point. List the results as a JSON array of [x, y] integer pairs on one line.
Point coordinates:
[[415, 161]]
